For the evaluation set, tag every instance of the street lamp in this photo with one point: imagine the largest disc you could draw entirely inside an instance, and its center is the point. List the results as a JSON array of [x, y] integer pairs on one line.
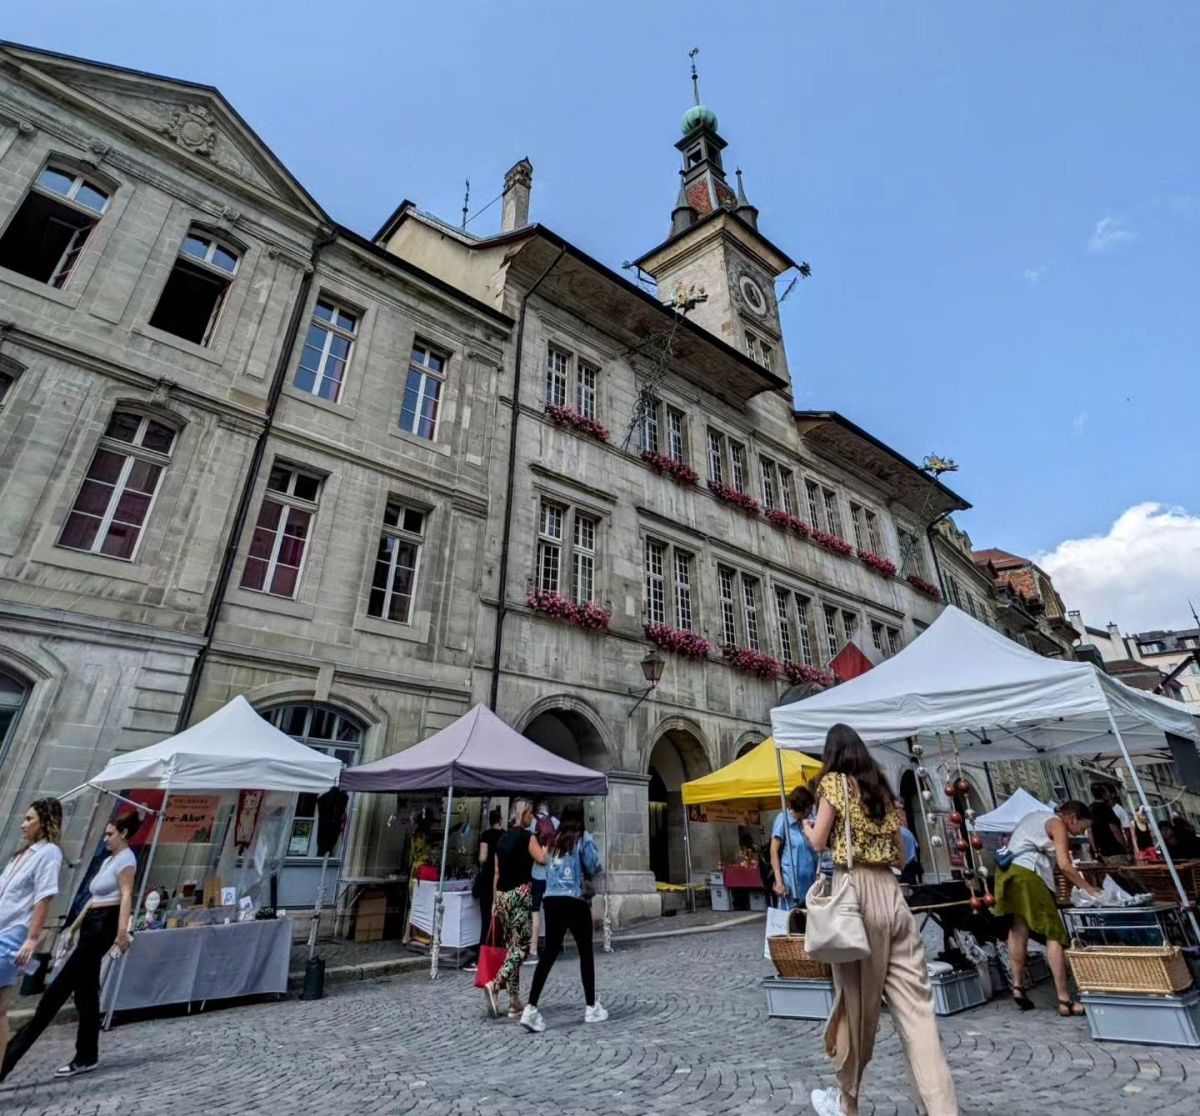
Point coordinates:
[[652, 671]]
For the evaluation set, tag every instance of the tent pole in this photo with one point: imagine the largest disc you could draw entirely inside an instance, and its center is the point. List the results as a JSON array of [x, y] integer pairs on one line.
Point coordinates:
[[783, 805], [687, 852], [347, 850], [316, 915], [1185, 901], [141, 897], [435, 947], [607, 948]]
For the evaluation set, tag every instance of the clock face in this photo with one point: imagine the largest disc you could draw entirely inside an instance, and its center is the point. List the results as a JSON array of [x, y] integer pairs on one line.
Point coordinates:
[[752, 294]]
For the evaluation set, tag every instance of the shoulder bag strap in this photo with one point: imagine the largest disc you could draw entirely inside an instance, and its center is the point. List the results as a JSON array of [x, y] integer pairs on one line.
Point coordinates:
[[846, 821]]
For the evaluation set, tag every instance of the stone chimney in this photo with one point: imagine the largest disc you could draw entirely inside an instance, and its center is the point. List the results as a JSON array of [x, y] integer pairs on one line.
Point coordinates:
[[517, 184]]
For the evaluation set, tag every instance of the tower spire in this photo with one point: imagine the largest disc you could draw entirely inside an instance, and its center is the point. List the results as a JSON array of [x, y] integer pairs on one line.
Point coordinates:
[[695, 76]]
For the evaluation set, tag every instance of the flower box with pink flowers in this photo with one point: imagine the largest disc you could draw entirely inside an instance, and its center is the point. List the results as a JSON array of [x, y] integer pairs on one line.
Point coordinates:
[[751, 661], [680, 642], [785, 521], [799, 673], [584, 614], [679, 471], [727, 494], [831, 542], [885, 567], [923, 586], [571, 419]]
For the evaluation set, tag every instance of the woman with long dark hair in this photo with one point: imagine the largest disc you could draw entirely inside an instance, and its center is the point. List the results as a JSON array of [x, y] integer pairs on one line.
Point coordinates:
[[103, 924], [28, 884], [571, 857], [853, 788]]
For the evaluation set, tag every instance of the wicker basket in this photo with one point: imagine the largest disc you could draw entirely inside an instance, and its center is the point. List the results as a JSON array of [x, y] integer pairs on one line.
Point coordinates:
[[789, 958], [1157, 970]]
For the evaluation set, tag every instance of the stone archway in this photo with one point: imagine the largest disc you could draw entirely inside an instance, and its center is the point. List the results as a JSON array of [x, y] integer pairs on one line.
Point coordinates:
[[677, 756]]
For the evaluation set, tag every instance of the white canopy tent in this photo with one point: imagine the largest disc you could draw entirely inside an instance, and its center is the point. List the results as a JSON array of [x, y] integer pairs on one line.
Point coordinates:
[[1001, 702], [1004, 818]]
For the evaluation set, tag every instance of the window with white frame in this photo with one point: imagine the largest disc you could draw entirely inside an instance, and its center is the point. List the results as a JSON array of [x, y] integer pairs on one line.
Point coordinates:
[[878, 636], [737, 465], [787, 490], [766, 468], [895, 643], [656, 582], [874, 535], [760, 350], [792, 612], [326, 353], [726, 589], [650, 425], [716, 457], [558, 369], [683, 591], [585, 389], [47, 234], [912, 555], [663, 429], [567, 552], [572, 381], [849, 624], [423, 390], [117, 493], [397, 563], [676, 437], [812, 493], [282, 532], [858, 523], [833, 635], [832, 515], [750, 611], [195, 290], [668, 585]]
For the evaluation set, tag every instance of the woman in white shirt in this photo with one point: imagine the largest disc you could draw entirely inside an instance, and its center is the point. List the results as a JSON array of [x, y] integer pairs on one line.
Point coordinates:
[[103, 923], [28, 884]]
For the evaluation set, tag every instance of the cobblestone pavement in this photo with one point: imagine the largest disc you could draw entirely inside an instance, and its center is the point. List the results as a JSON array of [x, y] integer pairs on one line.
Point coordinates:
[[688, 1033]]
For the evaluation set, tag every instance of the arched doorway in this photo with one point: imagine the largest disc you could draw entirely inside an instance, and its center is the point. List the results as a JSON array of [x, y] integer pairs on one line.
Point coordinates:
[[569, 734], [677, 757]]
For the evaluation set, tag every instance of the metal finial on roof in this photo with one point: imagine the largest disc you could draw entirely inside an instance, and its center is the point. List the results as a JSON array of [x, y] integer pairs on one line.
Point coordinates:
[[741, 191], [466, 203], [695, 76]]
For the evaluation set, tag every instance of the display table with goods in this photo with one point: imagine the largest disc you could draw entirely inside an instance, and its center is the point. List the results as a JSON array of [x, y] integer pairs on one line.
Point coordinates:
[[461, 920], [198, 963]]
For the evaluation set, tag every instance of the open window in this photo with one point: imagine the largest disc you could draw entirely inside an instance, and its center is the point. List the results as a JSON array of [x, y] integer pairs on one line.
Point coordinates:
[[47, 234], [191, 300]]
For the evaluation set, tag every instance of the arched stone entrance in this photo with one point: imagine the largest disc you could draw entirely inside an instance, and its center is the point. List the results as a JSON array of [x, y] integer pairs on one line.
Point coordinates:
[[676, 757], [570, 734]]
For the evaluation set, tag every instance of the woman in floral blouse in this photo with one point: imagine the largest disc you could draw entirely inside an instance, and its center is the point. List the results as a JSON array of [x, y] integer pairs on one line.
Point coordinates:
[[853, 786]]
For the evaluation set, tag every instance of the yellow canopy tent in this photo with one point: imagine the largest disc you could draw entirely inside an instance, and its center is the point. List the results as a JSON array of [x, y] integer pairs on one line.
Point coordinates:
[[753, 778]]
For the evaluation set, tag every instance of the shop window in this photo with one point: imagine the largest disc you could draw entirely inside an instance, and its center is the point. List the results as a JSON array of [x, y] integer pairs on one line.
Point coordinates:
[[191, 300], [47, 235]]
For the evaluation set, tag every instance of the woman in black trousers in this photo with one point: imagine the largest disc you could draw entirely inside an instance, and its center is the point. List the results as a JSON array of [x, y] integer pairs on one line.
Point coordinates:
[[103, 923]]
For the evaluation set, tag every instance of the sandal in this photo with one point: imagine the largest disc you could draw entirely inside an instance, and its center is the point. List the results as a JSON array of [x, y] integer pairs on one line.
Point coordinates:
[[493, 1001], [1021, 1000], [1069, 1009]]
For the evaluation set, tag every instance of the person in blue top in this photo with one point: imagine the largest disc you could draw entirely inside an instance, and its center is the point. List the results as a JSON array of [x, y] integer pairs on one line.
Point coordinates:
[[792, 858], [911, 872], [571, 858]]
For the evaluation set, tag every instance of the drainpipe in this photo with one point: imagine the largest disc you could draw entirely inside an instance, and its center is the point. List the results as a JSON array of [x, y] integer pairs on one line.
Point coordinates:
[[319, 244], [510, 484]]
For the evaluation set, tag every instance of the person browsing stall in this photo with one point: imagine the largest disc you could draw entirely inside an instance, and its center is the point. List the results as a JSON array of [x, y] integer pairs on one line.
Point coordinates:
[[792, 858]]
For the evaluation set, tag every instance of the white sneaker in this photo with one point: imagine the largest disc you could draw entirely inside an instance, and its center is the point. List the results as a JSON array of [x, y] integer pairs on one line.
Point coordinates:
[[531, 1020], [827, 1102], [595, 1014]]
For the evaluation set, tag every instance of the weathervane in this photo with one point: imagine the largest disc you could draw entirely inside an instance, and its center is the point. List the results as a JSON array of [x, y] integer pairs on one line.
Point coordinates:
[[939, 465], [695, 76]]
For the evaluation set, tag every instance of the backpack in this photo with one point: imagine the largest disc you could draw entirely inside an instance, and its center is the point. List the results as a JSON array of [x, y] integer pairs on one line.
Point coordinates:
[[544, 829]]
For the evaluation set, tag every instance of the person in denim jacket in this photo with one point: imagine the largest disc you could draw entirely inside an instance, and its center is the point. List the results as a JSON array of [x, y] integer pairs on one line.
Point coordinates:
[[571, 859]]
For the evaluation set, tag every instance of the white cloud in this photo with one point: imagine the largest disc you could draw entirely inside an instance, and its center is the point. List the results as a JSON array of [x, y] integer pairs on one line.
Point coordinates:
[[1138, 575], [1035, 274], [1110, 232], [1079, 423]]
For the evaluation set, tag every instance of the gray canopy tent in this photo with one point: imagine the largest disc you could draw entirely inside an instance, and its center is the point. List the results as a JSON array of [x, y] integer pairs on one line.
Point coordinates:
[[995, 700], [478, 753]]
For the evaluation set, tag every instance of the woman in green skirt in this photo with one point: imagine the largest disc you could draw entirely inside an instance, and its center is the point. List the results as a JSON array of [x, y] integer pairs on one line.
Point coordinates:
[[1026, 891]]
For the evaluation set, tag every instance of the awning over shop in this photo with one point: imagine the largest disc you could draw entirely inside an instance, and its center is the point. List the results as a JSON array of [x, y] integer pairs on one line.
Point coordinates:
[[753, 777]]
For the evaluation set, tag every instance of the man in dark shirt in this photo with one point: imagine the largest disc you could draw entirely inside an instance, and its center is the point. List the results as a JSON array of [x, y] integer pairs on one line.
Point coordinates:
[[1108, 839]]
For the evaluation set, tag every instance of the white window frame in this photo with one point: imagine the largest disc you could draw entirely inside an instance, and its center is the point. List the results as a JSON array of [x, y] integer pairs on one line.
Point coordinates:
[[833, 514], [584, 556], [332, 330], [783, 601], [552, 525], [858, 525], [650, 426], [726, 589], [787, 490], [587, 389], [206, 261], [656, 581], [770, 488], [812, 497], [738, 462], [874, 534], [833, 641], [428, 376], [750, 612], [877, 636], [558, 375], [716, 456], [288, 502], [575, 550], [401, 534], [794, 605], [685, 614], [676, 434]]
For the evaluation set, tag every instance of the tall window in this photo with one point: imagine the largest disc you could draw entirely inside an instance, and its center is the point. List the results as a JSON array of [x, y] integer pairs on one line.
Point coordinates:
[[676, 447], [191, 300], [683, 591], [558, 366], [322, 370], [874, 535], [877, 636], [787, 490], [737, 465], [858, 522], [394, 582], [423, 390], [759, 349], [767, 468], [650, 426], [115, 498], [656, 582], [46, 236], [832, 516], [812, 494], [585, 390], [850, 624], [955, 592], [716, 457], [750, 611], [324, 729], [13, 693], [895, 643], [783, 613], [569, 570], [912, 556], [833, 639], [281, 534], [726, 579]]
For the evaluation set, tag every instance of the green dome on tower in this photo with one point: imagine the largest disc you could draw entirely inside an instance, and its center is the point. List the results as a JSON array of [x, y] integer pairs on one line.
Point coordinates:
[[698, 116]]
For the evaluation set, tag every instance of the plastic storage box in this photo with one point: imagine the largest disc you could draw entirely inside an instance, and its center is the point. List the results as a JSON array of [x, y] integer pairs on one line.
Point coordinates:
[[721, 898], [954, 992], [1147, 1020], [758, 901], [798, 999]]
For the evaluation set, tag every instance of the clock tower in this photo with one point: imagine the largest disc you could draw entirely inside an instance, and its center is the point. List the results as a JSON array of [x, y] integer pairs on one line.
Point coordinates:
[[715, 243]]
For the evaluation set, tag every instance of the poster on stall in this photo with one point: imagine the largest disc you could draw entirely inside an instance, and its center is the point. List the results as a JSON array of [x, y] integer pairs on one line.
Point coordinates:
[[189, 819], [717, 813], [953, 835]]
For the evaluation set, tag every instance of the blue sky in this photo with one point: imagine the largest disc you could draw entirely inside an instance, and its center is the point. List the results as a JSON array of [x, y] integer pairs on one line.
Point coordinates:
[[1000, 202]]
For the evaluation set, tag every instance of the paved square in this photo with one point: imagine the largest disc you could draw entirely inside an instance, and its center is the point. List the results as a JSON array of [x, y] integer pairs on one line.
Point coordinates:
[[688, 1033]]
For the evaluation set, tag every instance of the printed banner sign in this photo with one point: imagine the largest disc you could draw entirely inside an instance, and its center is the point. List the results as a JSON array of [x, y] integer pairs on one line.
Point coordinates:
[[717, 813]]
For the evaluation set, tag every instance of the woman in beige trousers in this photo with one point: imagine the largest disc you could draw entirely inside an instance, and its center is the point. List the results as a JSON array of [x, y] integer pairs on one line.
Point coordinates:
[[853, 785]]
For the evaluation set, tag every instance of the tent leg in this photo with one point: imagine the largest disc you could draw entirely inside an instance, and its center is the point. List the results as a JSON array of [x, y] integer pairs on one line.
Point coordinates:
[[607, 947], [1184, 900], [436, 945], [141, 897], [339, 915], [687, 852], [783, 804], [316, 915]]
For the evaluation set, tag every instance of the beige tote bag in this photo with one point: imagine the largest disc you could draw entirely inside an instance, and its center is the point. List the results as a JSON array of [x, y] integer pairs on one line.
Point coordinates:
[[834, 932]]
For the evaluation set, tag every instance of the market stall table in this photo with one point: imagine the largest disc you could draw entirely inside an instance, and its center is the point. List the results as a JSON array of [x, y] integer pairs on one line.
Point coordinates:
[[194, 964], [461, 923], [1155, 924]]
